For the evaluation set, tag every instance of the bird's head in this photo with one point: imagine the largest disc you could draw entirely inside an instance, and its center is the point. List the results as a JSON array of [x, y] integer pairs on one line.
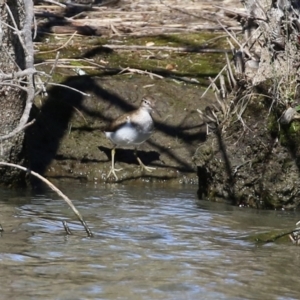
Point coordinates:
[[149, 104]]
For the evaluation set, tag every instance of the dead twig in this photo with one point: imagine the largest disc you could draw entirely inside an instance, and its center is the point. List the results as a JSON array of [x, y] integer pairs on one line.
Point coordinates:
[[214, 80], [231, 77], [61, 47], [68, 87], [27, 44], [166, 48], [55, 189], [67, 228], [131, 70], [56, 3]]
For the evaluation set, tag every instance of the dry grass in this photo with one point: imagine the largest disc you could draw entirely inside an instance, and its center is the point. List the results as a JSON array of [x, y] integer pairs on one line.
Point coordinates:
[[137, 18]]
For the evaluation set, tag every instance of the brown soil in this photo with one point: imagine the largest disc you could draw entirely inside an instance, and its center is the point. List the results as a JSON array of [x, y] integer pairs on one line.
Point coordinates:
[[66, 141], [254, 165], [252, 156], [254, 162]]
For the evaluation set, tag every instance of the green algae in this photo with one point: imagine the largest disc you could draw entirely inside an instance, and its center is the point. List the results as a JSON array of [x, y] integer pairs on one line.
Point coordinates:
[[275, 236], [190, 64]]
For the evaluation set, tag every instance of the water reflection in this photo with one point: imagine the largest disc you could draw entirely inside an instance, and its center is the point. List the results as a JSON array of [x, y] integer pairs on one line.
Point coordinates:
[[150, 243]]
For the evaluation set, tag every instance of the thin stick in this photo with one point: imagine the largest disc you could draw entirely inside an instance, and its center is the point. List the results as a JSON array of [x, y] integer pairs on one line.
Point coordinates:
[[166, 48], [52, 69], [230, 35], [55, 189], [27, 44], [230, 71], [131, 70], [61, 47], [67, 228], [16, 29], [68, 87], [220, 73], [14, 85], [56, 3]]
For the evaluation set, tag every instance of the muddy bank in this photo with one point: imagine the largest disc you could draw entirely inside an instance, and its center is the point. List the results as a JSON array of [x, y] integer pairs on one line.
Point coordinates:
[[66, 141], [254, 165], [252, 162], [252, 156]]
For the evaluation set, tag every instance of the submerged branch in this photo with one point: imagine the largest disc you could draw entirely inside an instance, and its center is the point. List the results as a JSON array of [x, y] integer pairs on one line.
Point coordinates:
[[278, 236], [55, 189]]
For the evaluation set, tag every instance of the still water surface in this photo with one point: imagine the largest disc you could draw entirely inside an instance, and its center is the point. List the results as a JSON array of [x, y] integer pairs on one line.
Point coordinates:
[[150, 243]]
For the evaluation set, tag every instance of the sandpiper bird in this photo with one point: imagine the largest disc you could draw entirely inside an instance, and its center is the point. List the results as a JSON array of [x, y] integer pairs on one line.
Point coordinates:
[[131, 129]]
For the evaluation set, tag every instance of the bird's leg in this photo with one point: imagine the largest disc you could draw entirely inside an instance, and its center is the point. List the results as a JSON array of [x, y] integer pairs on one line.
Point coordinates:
[[149, 169], [112, 169]]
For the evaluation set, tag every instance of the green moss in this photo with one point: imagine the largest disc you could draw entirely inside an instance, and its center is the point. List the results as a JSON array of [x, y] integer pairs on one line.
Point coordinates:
[[270, 236], [201, 39], [164, 62], [272, 125], [182, 64], [294, 128], [290, 135]]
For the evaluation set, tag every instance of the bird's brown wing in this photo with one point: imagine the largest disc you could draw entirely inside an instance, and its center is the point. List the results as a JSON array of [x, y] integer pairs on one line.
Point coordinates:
[[117, 123]]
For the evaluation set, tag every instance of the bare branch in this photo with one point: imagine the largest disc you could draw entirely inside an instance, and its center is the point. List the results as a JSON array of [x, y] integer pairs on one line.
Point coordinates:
[[16, 130], [231, 76], [19, 74], [27, 44], [56, 3], [55, 189], [137, 71], [220, 73], [14, 85], [15, 28], [61, 47], [68, 87], [42, 85], [67, 229]]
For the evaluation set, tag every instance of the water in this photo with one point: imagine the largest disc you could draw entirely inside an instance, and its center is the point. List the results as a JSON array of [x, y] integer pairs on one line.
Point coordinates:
[[149, 243]]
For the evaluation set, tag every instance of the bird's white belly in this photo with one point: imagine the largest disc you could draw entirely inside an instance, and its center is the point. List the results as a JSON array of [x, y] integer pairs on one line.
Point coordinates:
[[127, 135]]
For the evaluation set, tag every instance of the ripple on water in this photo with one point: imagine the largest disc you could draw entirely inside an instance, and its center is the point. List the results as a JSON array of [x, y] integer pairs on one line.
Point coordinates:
[[149, 243]]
